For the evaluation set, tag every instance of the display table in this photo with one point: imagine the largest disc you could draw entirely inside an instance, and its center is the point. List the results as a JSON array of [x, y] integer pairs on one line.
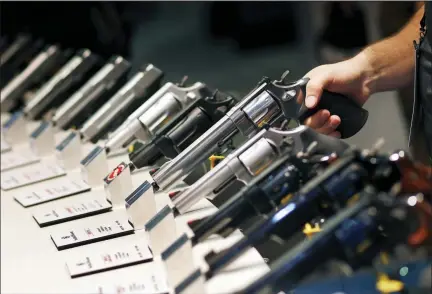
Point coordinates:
[[31, 263]]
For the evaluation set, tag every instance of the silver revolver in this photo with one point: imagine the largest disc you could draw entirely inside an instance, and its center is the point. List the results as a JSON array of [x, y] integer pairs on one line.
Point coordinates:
[[155, 113], [253, 157], [134, 93], [264, 105], [40, 67], [87, 99]]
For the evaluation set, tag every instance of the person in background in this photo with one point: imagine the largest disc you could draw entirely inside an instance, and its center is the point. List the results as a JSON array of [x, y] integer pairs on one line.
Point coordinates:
[[386, 65]]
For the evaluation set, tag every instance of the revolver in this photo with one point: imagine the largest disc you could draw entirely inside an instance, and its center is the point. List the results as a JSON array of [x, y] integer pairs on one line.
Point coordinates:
[[155, 113], [41, 67], [263, 194], [66, 81], [263, 106], [183, 129], [253, 157], [134, 93], [87, 99], [16, 56], [377, 222]]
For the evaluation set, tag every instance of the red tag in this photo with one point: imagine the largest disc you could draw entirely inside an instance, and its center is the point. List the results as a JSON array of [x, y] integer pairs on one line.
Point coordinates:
[[117, 171]]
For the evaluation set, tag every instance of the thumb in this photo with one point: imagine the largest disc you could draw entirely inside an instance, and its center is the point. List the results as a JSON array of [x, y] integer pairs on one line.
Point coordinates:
[[314, 88]]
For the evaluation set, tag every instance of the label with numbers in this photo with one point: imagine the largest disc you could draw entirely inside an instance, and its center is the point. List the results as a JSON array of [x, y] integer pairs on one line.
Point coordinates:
[[33, 174], [60, 188], [147, 284], [16, 159], [71, 212], [129, 254], [92, 234]]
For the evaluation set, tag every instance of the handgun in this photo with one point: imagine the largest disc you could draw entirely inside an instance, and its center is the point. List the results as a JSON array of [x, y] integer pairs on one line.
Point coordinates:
[[65, 82], [155, 113], [84, 102], [263, 106], [264, 194], [376, 223], [17, 56], [40, 68], [183, 130], [253, 157], [112, 114]]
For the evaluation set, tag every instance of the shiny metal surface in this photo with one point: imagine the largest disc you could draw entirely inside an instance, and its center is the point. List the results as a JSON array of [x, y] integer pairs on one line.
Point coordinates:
[[228, 168], [103, 80], [134, 89], [203, 187], [17, 86], [179, 168], [258, 157], [39, 99], [262, 109], [161, 113]]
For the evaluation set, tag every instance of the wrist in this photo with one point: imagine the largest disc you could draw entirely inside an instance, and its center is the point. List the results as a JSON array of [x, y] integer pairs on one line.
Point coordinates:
[[369, 75]]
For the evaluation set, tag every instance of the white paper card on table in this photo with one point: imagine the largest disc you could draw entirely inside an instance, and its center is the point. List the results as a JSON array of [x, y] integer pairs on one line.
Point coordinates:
[[17, 158], [162, 230], [94, 167], [71, 212], [141, 205], [42, 141], [69, 151], [178, 260], [126, 255], [32, 174], [118, 185], [147, 284], [15, 129], [92, 234], [194, 283], [54, 190]]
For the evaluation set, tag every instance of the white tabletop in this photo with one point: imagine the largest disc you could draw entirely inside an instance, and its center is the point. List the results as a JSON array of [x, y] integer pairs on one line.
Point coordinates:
[[31, 263]]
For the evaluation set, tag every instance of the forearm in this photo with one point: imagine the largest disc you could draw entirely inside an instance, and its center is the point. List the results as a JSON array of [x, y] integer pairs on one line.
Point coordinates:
[[389, 64]]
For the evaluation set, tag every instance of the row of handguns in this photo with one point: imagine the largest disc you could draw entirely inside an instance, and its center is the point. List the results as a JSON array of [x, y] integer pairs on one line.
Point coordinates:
[[291, 175]]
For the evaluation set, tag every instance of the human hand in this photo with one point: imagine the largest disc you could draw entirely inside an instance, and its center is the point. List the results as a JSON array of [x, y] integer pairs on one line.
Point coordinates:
[[348, 77]]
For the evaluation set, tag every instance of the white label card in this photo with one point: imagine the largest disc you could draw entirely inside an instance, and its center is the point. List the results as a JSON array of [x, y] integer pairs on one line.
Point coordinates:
[[60, 188], [16, 159], [5, 147], [127, 255], [92, 234], [146, 285], [33, 174], [71, 212]]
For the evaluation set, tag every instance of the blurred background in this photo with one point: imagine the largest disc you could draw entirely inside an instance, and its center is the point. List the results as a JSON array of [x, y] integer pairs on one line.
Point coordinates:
[[229, 45]]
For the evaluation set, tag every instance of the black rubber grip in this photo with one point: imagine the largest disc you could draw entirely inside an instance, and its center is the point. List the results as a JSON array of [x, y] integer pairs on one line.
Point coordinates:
[[353, 116]]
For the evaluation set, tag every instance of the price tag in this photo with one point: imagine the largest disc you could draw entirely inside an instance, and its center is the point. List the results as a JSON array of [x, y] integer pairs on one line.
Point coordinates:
[[16, 159], [60, 188], [15, 128], [94, 167], [147, 284], [162, 230], [5, 147], [33, 174], [141, 205], [118, 185], [42, 139], [68, 152], [130, 254], [178, 260], [71, 212], [92, 234], [195, 283]]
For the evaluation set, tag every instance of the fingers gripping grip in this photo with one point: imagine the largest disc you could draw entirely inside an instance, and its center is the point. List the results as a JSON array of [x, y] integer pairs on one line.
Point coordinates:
[[353, 116]]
